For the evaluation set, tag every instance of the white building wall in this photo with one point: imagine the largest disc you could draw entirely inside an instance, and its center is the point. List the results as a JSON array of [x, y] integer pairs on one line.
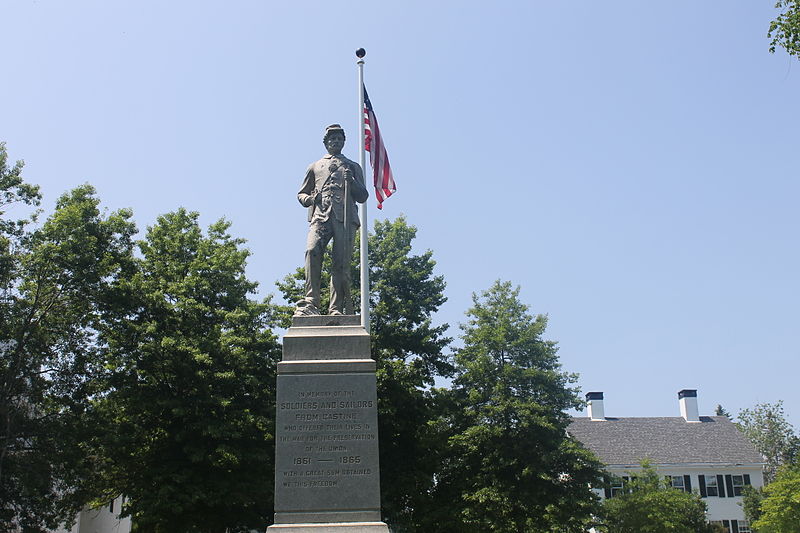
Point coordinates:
[[100, 520], [719, 508]]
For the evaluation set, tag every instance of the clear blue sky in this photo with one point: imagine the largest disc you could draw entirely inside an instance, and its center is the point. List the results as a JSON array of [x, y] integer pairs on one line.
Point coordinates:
[[632, 165]]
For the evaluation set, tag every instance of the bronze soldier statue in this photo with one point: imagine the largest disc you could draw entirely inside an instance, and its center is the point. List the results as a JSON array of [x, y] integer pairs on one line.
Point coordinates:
[[330, 190]]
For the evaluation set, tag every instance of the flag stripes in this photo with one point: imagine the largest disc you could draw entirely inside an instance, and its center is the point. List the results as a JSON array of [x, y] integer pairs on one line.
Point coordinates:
[[378, 159]]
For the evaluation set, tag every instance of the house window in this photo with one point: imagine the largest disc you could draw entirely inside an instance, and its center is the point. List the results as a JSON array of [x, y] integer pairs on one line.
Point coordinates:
[[712, 489], [744, 526], [617, 487], [738, 485], [683, 483]]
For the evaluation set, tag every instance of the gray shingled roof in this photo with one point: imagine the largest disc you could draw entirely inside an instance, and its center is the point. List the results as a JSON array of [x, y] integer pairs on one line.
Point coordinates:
[[664, 440]]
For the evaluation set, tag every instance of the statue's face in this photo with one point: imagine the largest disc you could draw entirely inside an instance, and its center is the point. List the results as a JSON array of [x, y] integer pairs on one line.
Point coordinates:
[[334, 143]]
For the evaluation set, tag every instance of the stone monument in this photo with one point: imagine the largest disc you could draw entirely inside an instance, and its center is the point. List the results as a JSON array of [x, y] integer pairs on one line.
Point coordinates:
[[327, 476]]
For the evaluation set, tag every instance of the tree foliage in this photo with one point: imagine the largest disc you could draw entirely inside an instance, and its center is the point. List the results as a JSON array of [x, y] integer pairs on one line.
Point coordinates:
[[409, 349], [510, 465], [653, 506], [14, 191], [189, 389], [780, 508], [765, 425], [751, 502], [54, 279], [151, 376], [785, 29]]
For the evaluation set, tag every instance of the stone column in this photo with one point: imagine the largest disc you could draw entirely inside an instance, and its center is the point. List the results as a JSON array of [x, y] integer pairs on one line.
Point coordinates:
[[326, 452]]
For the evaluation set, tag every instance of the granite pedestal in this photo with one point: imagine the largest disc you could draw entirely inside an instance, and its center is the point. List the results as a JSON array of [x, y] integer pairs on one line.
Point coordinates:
[[326, 451]]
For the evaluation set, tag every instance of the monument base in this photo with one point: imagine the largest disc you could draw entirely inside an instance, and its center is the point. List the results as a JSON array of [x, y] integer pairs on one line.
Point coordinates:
[[327, 476], [342, 527]]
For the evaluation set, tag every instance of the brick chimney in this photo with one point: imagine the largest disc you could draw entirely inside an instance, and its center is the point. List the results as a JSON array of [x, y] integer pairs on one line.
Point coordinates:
[[594, 402], [688, 400]]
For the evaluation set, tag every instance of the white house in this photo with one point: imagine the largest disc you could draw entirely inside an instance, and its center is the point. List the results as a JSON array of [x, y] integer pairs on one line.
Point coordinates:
[[703, 454], [103, 519]]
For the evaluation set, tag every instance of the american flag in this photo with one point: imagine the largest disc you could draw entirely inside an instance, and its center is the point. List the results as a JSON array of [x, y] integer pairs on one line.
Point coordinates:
[[373, 143]]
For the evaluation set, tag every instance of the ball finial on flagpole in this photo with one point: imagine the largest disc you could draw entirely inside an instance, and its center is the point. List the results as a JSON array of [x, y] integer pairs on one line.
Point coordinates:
[[360, 53]]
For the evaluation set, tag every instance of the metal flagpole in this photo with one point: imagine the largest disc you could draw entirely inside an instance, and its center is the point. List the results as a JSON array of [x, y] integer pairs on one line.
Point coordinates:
[[360, 53]]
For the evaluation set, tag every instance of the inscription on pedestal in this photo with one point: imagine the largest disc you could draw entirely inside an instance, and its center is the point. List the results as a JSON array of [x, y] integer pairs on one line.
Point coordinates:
[[327, 445]]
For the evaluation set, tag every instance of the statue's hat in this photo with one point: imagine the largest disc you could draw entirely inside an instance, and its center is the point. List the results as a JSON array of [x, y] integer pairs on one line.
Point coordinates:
[[333, 128]]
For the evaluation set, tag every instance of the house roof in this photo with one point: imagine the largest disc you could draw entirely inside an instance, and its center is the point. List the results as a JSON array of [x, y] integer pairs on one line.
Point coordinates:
[[665, 440]]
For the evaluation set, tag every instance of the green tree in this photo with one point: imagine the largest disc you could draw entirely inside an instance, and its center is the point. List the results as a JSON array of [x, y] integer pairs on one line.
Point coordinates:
[[751, 502], [16, 507], [653, 506], [721, 411], [409, 350], [54, 281], [780, 508], [785, 29], [13, 192], [190, 387], [510, 466], [765, 425]]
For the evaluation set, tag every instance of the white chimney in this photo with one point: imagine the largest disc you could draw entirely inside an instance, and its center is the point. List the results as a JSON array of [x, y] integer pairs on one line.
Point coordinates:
[[594, 402], [688, 400]]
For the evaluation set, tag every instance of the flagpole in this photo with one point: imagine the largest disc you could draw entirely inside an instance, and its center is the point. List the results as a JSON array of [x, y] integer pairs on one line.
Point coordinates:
[[360, 53]]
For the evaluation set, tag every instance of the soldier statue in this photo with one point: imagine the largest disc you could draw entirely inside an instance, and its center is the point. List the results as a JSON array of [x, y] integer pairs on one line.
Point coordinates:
[[330, 190]]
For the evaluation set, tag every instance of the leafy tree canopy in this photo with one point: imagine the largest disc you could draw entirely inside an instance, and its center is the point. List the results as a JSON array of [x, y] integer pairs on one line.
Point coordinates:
[[653, 506], [765, 425], [510, 465], [785, 29], [14, 191], [751, 502], [54, 282], [190, 385], [780, 508]]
